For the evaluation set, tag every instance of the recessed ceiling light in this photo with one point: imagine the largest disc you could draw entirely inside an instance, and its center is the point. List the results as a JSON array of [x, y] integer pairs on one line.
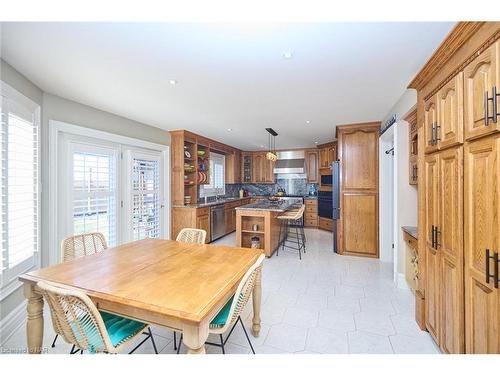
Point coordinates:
[[308, 122], [173, 82], [229, 129], [261, 146], [287, 55], [315, 143]]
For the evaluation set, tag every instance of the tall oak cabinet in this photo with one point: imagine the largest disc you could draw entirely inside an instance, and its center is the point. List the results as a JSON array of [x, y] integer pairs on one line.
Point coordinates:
[[459, 189]]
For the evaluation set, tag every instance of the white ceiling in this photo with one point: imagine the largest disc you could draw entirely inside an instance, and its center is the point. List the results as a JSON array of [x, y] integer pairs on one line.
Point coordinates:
[[229, 75]]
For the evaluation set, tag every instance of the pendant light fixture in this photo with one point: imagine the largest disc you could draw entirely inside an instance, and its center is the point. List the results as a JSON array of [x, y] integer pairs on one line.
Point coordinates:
[[271, 154]]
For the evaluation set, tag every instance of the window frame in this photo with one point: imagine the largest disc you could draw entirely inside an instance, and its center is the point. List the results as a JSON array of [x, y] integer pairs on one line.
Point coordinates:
[[209, 190], [10, 97]]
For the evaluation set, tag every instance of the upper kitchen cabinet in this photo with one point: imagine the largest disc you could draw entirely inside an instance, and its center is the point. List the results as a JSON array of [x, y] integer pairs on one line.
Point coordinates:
[[443, 116], [327, 154], [233, 167], [263, 169], [449, 130], [430, 125], [312, 166], [481, 94], [246, 168]]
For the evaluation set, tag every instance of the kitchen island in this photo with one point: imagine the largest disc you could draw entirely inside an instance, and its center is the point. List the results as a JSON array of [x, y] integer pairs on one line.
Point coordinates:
[[260, 220]]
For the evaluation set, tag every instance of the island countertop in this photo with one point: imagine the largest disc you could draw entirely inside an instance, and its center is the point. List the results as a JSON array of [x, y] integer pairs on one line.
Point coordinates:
[[267, 205]]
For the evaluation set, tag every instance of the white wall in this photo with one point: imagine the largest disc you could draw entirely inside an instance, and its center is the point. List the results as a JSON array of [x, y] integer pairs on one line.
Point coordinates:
[[403, 105], [386, 196]]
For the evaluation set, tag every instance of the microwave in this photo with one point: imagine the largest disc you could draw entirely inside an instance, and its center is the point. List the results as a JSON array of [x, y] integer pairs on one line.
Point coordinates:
[[326, 179]]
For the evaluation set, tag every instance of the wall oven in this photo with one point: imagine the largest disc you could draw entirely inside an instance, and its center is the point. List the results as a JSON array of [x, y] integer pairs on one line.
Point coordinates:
[[325, 204], [326, 180]]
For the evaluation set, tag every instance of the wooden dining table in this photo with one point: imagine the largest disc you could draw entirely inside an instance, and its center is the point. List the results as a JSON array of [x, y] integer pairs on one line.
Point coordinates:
[[162, 282]]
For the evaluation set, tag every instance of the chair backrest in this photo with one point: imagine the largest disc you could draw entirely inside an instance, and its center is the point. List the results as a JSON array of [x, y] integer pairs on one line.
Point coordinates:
[[191, 235], [78, 319], [244, 291], [82, 244]]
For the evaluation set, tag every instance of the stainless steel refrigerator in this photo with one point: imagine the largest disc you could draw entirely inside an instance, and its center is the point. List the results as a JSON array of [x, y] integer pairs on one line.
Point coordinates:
[[335, 200]]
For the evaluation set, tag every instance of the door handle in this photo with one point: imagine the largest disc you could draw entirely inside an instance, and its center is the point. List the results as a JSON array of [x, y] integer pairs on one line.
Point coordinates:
[[494, 99], [494, 115]]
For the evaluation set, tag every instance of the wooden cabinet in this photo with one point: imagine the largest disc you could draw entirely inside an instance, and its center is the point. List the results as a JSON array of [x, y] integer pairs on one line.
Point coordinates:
[[449, 240], [411, 118], [246, 167], [203, 222], [325, 224], [430, 121], [444, 248], [327, 154], [312, 166], [230, 219], [432, 257], [263, 169], [450, 127], [482, 231], [233, 168], [480, 76], [459, 189], [311, 213], [358, 154]]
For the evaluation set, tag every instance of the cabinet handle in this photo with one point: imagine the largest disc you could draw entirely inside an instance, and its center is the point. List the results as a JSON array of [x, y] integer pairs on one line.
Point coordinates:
[[432, 237], [436, 237], [486, 111], [494, 99], [496, 262], [436, 138]]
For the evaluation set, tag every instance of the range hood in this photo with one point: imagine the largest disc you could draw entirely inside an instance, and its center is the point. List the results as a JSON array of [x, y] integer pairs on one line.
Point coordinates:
[[290, 162]]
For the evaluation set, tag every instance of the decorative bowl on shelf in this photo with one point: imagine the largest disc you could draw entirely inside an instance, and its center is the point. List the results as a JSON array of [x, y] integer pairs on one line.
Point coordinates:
[[187, 154], [201, 153]]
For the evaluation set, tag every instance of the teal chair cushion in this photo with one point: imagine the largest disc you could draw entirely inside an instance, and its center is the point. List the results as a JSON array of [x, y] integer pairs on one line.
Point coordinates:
[[119, 328], [221, 318]]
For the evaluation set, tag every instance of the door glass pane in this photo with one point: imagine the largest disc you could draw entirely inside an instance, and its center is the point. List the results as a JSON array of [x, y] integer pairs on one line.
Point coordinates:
[[145, 198], [94, 194]]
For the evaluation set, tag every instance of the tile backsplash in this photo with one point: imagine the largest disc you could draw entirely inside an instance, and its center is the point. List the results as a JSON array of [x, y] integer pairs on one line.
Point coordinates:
[[291, 186]]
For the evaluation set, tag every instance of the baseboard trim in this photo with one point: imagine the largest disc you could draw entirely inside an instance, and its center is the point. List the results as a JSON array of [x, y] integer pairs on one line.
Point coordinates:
[[12, 322], [401, 282]]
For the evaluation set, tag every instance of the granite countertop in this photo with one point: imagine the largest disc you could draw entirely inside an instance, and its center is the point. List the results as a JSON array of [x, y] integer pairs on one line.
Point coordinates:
[[214, 203], [230, 199], [267, 206], [412, 231]]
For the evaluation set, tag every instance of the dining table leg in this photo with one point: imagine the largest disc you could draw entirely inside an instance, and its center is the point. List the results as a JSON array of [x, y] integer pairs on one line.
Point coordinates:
[[194, 337], [34, 321], [256, 298]]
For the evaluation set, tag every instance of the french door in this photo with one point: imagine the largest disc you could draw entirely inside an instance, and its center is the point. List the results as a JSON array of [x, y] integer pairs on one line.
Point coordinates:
[[111, 188]]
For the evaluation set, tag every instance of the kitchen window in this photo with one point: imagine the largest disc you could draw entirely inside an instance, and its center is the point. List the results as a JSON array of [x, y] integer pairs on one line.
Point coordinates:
[[19, 199], [217, 183]]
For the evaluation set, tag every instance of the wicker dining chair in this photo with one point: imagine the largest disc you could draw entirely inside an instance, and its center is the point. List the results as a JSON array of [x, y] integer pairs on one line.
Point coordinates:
[[229, 315], [81, 245], [87, 328], [191, 235], [77, 246]]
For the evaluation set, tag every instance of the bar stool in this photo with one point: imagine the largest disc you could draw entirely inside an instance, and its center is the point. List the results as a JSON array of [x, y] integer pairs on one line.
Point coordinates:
[[288, 220]]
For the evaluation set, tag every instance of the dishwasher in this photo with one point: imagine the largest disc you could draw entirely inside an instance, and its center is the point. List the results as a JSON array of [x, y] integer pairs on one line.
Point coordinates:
[[217, 222]]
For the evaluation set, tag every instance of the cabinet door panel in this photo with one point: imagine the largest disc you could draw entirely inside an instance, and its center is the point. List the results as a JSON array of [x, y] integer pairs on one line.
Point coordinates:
[[360, 232], [479, 77], [450, 113], [450, 245], [312, 166], [432, 256], [203, 222], [360, 160], [430, 119], [481, 195]]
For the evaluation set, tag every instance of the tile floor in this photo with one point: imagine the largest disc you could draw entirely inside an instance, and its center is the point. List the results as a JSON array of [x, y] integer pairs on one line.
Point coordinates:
[[325, 303]]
